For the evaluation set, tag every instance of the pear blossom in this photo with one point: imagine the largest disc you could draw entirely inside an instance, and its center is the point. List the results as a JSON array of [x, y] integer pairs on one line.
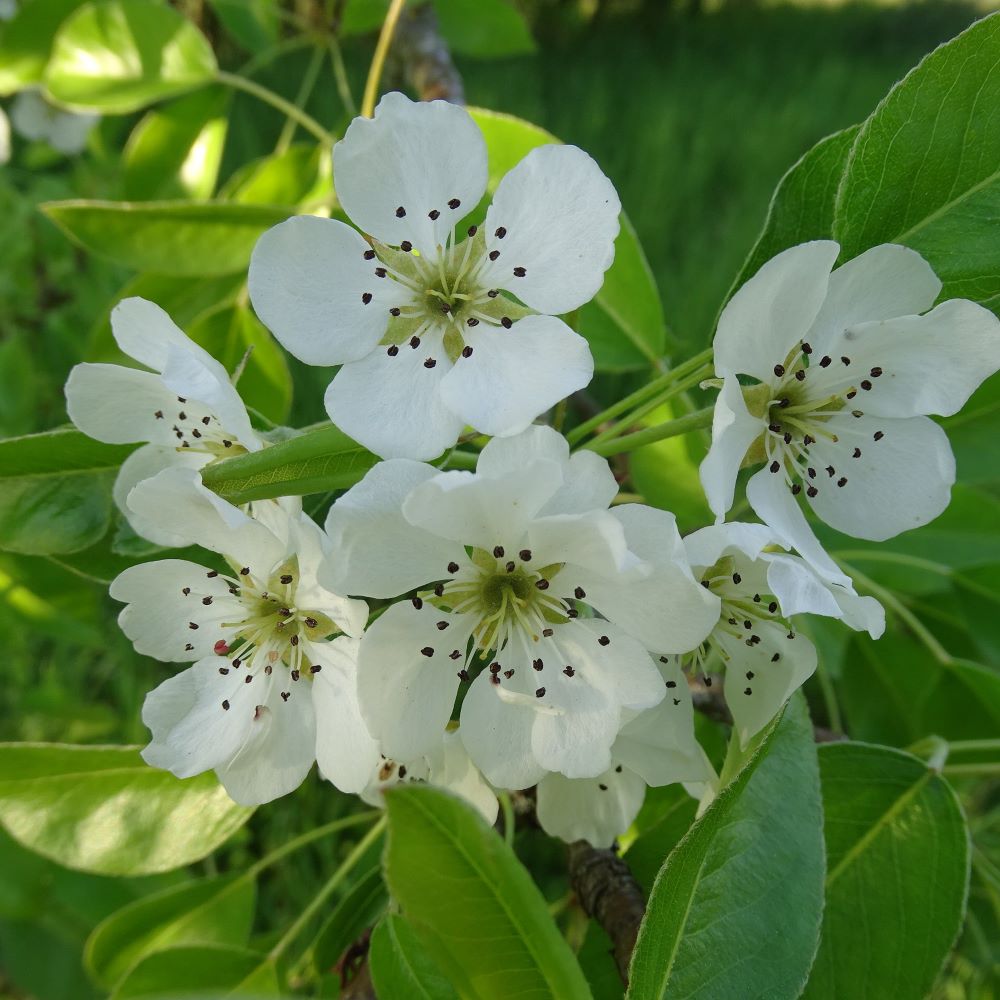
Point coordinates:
[[272, 686], [446, 765], [439, 323], [186, 407], [507, 567], [848, 364], [654, 748], [35, 119], [764, 657]]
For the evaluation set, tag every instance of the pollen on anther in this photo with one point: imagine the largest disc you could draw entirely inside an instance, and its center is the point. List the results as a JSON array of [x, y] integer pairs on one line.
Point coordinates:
[[825, 361], [369, 255], [779, 370], [380, 272], [392, 350], [537, 664], [430, 363], [472, 321], [427, 651], [498, 552], [406, 246], [812, 492], [453, 203], [466, 352], [417, 602], [604, 640], [433, 214], [525, 555], [366, 297], [400, 212], [395, 311], [442, 625], [547, 632], [540, 693], [453, 567], [225, 705], [506, 322], [472, 230], [414, 342], [878, 435], [192, 625], [775, 466], [568, 670], [494, 254], [519, 272], [542, 584], [842, 481], [455, 654], [579, 593]]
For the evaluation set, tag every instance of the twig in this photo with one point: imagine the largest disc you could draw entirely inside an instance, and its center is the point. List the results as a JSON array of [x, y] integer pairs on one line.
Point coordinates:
[[424, 57]]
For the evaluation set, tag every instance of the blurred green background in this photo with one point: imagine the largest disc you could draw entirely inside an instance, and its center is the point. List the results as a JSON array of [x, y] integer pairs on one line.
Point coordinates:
[[694, 113]]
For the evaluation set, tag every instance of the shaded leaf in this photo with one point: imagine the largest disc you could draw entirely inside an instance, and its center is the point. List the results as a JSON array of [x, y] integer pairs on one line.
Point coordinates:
[[400, 965]]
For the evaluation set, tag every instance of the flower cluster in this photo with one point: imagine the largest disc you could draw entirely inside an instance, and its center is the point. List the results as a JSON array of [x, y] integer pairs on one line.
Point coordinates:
[[525, 629]]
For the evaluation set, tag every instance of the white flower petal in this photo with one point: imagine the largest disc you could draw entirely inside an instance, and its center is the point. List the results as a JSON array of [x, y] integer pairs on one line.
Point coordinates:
[[588, 483], [159, 614], [199, 719], [515, 375], [591, 543], [668, 610], [773, 503], [734, 429], [556, 216], [930, 364], [755, 699], [146, 332], [118, 405], [659, 744], [452, 768], [392, 403], [375, 551], [901, 481], [345, 751], [863, 614], [307, 278], [407, 678], [279, 749], [882, 283], [706, 546], [142, 464], [180, 503], [473, 510], [596, 810], [774, 310], [424, 158]]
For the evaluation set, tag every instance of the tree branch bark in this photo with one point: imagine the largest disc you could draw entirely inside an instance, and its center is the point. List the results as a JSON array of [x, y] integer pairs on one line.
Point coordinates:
[[421, 57]]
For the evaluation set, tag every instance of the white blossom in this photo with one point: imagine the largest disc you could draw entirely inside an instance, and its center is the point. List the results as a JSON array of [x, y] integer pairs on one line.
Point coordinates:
[[655, 747], [421, 314], [35, 119], [764, 657], [508, 566], [446, 765], [273, 684], [185, 407], [848, 366]]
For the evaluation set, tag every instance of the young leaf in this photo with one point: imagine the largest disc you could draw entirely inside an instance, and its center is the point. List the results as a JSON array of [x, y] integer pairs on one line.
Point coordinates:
[[116, 56], [209, 911], [104, 810], [193, 971], [359, 909], [473, 904], [925, 168], [55, 491], [400, 965], [314, 462], [174, 238], [898, 874], [27, 41], [735, 910]]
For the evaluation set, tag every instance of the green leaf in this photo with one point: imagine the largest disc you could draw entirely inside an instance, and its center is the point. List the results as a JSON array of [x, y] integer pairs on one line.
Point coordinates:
[[358, 910], [400, 965], [898, 860], [624, 323], [206, 912], [104, 810], [55, 491], [650, 849], [192, 972], [735, 910], [227, 333], [802, 206], [253, 23], [175, 151], [27, 41], [925, 168], [116, 56], [486, 29], [302, 174], [474, 905], [173, 238], [315, 462]]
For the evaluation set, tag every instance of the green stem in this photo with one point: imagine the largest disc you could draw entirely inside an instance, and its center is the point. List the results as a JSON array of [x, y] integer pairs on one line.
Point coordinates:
[[344, 823], [378, 60], [305, 89], [340, 76], [888, 598], [829, 693], [971, 770], [617, 429], [640, 395], [277, 101], [672, 428], [973, 746], [509, 820], [331, 886]]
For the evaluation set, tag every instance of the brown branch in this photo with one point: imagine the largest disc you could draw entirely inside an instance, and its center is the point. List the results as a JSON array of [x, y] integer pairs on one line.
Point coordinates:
[[607, 892], [421, 56]]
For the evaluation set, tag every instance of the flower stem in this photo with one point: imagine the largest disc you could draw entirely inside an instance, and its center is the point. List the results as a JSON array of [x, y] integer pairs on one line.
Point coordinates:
[[378, 60], [672, 428], [305, 89], [308, 837], [277, 101], [640, 395], [331, 886], [340, 75]]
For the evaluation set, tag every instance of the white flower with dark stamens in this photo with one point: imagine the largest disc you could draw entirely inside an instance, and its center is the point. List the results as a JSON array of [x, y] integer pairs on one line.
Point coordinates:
[[655, 747], [439, 324], [273, 685], [35, 119], [505, 564], [446, 765], [847, 369], [185, 407], [763, 656]]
